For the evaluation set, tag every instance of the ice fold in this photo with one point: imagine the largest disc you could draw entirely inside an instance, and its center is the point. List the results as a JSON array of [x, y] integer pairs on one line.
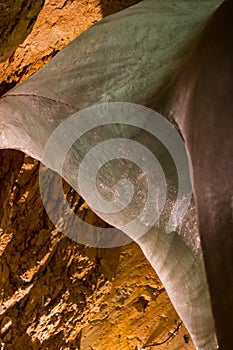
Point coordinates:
[[125, 57]]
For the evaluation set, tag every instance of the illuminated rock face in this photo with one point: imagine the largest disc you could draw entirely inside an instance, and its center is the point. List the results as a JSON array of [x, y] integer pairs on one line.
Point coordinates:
[[16, 22], [144, 63]]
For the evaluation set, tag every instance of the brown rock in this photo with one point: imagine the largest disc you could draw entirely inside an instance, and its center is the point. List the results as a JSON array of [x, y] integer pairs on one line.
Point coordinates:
[[16, 22]]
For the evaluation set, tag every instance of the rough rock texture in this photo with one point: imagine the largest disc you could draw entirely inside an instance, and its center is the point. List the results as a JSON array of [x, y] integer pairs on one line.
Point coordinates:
[[16, 21], [55, 293], [59, 22]]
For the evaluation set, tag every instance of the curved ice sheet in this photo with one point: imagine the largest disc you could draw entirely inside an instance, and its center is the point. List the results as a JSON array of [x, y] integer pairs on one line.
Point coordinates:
[[126, 57]]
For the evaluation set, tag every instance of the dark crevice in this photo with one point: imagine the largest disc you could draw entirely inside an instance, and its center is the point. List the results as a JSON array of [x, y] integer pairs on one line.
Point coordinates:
[[109, 7], [5, 87]]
